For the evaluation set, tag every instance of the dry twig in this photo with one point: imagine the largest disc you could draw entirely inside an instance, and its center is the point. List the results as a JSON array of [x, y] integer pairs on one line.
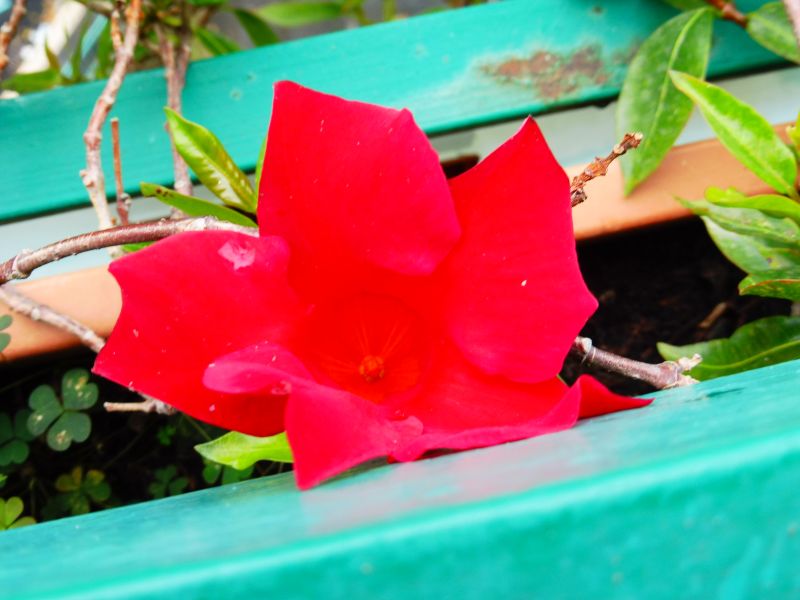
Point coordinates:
[[664, 375], [20, 303], [148, 405], [123, 199], [599, 166], [729, 12], [27, 261], [92, 175], [9, 30]]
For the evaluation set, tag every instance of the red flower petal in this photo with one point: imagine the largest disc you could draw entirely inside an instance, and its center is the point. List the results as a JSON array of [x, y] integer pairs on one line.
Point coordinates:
[[330, 430], [352, 185], [462, 407], [515, 296], [187, 300], [597, 399]]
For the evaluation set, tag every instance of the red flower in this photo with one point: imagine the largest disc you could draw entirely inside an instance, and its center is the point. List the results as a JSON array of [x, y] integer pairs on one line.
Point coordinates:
[[384, 311]]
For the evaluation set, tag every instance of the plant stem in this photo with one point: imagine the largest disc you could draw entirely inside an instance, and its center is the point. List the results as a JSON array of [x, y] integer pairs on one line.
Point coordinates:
[[20, 303], [729, 12], [599, 166], [123, 199], [9, 30], [24, 263], [92, 175], [664, 375]]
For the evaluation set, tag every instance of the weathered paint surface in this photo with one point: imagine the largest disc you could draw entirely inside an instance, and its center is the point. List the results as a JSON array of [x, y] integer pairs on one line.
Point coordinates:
[[694, 497], [436, 65]]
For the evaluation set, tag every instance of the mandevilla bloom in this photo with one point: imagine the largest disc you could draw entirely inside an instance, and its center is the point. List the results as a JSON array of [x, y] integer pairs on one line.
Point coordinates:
[[383, 311]]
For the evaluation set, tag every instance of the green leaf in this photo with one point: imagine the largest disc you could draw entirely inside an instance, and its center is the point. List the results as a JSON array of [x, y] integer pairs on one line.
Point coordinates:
[[71, 426], [793, 131], [648, 102], [52, 58], [207, 157], [748, 135], [76, 58], [46, 409], [5, 321], [296, 14], [10, 510], [78, 393], [771, 204], [770, 27], [5, 340], [257, 29], [95, 486], [216, 43], [104, 53], [70, 482], [764, 342], [38, 81], [260, 164], [775, 283], [195, 207], [240, 451], [686, 4]]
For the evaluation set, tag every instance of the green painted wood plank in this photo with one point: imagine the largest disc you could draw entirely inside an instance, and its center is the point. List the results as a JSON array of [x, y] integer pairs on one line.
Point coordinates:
[[454, 69], [694, 497]]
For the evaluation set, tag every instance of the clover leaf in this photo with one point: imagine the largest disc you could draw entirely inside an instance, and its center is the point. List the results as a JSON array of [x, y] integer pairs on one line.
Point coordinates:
[[5, 339], [14, 438], [167, 483], [212, 472], [77, 492], [10, 511], [62, 418]]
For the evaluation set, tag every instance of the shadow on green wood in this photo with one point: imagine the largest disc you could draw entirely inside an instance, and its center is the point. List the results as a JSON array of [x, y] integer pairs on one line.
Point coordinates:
[[697, 493], [454, 69]]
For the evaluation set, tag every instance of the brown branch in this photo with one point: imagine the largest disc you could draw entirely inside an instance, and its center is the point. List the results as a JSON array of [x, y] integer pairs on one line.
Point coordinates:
[[599, 166], [664, 375], [793, 10], [9, 30], [92, 175], [729, 12], [20, 303], [148, 405], [123, 199], [24, 263]]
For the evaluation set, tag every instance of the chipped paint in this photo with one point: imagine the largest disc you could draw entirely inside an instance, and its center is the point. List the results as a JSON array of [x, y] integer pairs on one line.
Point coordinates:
[[555, 75]]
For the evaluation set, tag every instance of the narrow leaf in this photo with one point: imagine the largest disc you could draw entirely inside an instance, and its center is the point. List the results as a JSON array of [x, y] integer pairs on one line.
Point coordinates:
[[295, 14], [257, 29], [776, 283], [771, 204], [770, 27], [648, 102], [743, 131], [105, 50], [240, 451], [212, 164], [686, 4], [195, 207], [27, 83], [216, 43], [758, 344]]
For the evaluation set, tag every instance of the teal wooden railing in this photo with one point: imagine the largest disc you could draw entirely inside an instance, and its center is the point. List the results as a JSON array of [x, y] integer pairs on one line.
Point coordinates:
[[693, 497], [454, 70]]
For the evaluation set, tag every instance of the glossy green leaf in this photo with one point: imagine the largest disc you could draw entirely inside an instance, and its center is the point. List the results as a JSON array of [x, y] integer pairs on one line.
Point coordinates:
[[648, 102], [770, 27], [77, 391], [46, 409], [748, 135], [195, 207], [214, 167], [295, 14], [771, 204], [240, 451], [257, 29], [69, 427], [775, 283], [38, 81], [216, 43], [758, 344]]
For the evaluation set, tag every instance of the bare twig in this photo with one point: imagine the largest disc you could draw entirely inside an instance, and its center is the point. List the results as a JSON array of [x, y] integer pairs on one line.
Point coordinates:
[[599, 166], [24, 263], [92, 175], [793, 10], [114, 19], [20, 303], [123, 199], [729, 12], [9, 30], [664, 375], [148, 405]]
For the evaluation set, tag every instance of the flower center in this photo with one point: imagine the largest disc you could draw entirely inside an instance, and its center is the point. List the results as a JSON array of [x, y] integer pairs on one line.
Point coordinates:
[[373, 346], [372, 368]]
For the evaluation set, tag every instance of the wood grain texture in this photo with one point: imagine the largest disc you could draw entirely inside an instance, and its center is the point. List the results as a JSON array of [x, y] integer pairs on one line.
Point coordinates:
[[453, 70]]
